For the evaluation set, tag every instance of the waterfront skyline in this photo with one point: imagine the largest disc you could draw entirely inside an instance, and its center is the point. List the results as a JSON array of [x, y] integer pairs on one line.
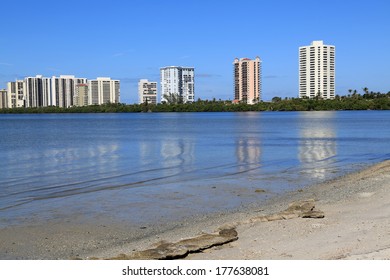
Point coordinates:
[[47, 39], [64, 91]]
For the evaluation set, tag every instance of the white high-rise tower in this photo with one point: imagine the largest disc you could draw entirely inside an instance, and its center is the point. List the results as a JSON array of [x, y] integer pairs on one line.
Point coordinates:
[[317, 71], [178, 81]]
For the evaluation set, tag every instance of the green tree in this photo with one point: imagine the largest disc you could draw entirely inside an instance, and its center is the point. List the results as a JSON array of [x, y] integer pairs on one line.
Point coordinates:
[[173, 98]]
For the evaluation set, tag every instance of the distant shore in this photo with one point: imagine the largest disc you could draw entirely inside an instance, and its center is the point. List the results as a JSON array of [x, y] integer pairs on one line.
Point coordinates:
[[378, 101], [356, 226]]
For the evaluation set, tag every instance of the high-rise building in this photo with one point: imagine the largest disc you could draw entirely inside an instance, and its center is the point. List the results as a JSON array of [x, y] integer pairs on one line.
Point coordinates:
[[147, 92], [64, 89], [3, 98], [81, 95], [103, 90], [16, 92], [38, 92], [317, 71], [247, 80], [178, 81]]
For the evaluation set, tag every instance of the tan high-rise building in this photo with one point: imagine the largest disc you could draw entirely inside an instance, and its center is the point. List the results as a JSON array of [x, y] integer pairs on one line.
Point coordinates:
[[103, 90], [247, 80], [81, 95]]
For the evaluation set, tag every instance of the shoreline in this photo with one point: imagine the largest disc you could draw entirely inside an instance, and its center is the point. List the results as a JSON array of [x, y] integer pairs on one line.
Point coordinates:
[[355, 227]]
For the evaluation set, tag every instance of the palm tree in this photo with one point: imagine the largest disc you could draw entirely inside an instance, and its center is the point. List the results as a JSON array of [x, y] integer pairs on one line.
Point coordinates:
[[318, 95], [173, 98], [276, 99]]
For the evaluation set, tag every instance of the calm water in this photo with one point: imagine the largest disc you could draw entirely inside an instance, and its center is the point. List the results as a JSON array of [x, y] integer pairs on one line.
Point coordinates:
[[154, 167]]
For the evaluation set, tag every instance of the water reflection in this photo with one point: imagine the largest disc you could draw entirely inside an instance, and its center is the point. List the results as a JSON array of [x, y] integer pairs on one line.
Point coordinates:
[[148, 151], [177, 153], [317, 144], [101, 157], [55, 172], [54, 161], [248, 153]]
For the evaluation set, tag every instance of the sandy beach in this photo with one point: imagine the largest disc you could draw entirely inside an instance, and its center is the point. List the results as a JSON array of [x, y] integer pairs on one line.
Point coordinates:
[[355, 225]]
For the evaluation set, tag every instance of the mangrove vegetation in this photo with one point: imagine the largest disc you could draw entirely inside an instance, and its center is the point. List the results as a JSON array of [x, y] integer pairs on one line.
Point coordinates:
[[352, 101]]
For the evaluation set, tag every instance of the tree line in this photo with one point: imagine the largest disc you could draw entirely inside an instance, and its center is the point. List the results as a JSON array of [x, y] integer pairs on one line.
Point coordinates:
[[353, 101]]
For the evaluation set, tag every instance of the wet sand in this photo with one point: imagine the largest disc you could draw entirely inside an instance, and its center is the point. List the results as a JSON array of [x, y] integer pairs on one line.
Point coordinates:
[[356, 226]]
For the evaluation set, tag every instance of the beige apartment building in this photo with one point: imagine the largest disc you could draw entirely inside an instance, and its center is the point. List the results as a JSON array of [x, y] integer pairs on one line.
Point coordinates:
[[247, 80], [81, 95], [147, 92], [16, 94], [103, 90]]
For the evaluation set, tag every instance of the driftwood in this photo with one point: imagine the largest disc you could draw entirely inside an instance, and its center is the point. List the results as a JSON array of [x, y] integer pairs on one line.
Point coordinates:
[[168, 251], [175, 250], [304, 209]]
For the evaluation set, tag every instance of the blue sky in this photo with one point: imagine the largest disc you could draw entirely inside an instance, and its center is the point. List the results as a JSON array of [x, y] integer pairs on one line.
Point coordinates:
[[132, 39]]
